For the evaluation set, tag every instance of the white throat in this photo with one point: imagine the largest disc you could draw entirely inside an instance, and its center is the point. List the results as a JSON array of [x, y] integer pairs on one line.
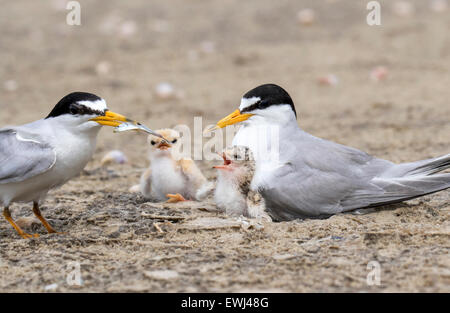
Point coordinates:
[[265, 134]]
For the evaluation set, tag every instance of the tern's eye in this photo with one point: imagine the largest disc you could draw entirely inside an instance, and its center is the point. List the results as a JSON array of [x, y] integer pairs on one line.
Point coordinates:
[[174, 141], [236, 157], [153, 143], [73, 109]]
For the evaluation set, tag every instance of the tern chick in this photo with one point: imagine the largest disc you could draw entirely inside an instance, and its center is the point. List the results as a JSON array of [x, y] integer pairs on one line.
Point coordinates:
[[45, 154], [233, 194], [170, 176]]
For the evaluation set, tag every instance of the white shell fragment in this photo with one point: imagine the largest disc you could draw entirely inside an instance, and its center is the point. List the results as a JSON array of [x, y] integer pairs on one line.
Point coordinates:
[[103, 68], [306, 17], [114, 156], [135, 189], [10, 85], [165, 91], [127, 28], [51, 287], [162, 275]]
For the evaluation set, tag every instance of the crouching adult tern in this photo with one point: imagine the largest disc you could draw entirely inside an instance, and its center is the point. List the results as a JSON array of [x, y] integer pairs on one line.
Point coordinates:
[[45, 154], [309, 176]]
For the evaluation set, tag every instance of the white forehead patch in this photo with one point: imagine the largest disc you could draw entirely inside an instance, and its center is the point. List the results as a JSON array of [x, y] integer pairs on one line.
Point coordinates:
[[246, 102], [98, 105]]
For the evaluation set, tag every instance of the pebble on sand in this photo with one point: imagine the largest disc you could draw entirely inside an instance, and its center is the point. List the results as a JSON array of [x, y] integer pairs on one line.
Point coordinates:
[[51, 287], [135, 189], [114, 156], [103, 68], [378, 73], [162, 274], [306, 17], [166, 91], [10, 85], [127, 28]]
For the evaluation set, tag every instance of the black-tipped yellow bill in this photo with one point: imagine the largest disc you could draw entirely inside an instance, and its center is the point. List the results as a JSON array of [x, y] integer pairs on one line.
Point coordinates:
[[233, 118], [111, 119]]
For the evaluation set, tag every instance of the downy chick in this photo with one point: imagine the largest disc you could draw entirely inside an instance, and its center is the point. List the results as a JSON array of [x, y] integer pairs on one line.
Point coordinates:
[[169, 176], [233, 194]]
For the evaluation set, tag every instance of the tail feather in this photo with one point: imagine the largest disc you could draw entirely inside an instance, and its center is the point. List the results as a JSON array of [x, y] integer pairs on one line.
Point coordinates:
[[403, 182], [428, 167]]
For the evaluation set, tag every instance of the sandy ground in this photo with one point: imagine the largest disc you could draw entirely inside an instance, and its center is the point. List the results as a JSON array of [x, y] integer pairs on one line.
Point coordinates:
[[213, 52]]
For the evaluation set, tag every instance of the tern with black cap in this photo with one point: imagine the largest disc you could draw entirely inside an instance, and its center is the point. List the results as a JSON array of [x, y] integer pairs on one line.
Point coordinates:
[[45, 154], [312, 177]]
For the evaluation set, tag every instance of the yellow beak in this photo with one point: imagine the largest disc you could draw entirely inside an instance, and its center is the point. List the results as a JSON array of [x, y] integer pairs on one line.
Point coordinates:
[[111, 119], [233, 118]]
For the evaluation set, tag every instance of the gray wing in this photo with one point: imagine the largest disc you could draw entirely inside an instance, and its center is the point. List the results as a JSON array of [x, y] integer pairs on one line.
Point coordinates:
[[318, 178], [323, 178], [22, 158]]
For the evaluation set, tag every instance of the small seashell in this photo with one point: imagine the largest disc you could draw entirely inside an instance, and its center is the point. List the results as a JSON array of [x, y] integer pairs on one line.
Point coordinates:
[[306, 16], [135, 189], [127, 28], [114, 156], [51, 287], [162, 275], [328, 80], [378, 73], [165, 91], [103, 68], [403, 8], [10, 85], [439, 5]]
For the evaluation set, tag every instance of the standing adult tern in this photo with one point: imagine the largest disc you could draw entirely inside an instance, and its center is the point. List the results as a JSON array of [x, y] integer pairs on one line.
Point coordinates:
[[310, 176], [45, 154]]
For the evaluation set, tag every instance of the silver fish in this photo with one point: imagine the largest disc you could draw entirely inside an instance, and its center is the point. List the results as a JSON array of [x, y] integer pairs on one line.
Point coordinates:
[[136, 126]]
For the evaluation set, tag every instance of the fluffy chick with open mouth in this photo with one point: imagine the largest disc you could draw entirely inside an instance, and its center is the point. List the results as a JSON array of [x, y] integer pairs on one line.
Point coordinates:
[[233, 194], [170, 176]]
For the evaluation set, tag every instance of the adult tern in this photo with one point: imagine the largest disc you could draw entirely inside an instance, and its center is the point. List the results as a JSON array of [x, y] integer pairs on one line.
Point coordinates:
[[45, 154], [310, 176]]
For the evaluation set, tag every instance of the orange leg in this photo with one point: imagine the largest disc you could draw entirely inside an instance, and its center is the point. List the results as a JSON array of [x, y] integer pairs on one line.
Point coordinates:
[[175, 198], [7, 215], [38, 214]]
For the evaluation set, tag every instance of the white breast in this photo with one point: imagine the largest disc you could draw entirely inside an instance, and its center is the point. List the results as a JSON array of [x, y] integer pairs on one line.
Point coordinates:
[[228, 197], [166, 178], [73, 152]]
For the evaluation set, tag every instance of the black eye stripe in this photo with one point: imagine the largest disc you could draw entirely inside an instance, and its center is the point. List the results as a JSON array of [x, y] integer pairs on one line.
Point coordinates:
[[252, 107], [78, 109]]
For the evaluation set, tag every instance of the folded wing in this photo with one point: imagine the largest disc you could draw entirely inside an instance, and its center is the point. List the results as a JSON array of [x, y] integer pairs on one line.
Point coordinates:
[[22, 158]]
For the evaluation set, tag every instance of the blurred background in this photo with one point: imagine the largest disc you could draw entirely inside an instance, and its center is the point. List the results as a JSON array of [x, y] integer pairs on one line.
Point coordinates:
[[383, 89]]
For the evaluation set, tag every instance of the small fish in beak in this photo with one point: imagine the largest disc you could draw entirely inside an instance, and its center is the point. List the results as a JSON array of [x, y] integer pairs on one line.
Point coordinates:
[[132, 125]]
